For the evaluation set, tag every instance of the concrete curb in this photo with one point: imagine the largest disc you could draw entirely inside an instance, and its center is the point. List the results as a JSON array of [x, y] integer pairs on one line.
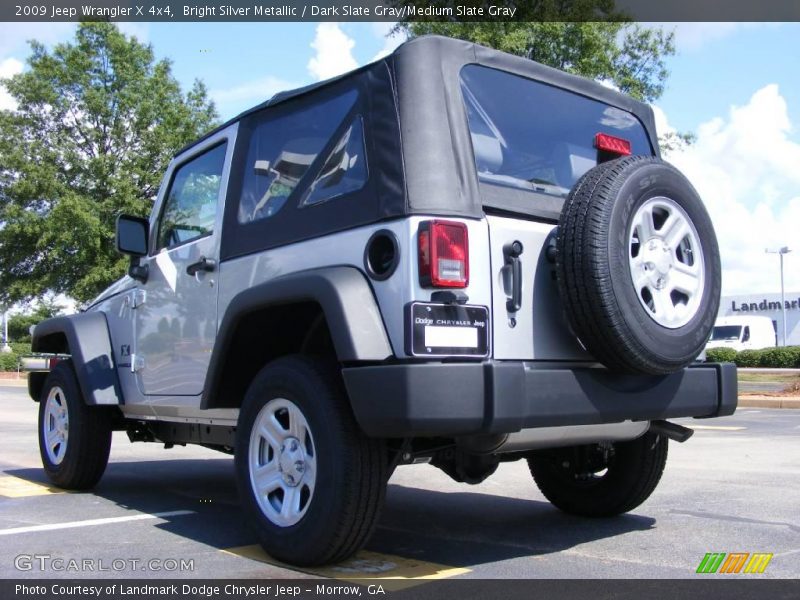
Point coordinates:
[[21, 382], [769, 402], [769, 371]]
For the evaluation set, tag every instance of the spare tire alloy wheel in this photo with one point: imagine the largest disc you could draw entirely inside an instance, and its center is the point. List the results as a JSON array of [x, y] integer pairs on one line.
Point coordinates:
[[666, 262], [282, 462], [638, 266]]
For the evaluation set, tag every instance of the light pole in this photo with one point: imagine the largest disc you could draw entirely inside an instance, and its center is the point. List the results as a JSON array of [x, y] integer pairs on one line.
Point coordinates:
[[780, 252], [6, 348]]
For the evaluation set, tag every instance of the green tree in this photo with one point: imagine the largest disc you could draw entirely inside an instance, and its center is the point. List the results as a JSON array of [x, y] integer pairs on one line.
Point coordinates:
[[97, 122], [19, 325]]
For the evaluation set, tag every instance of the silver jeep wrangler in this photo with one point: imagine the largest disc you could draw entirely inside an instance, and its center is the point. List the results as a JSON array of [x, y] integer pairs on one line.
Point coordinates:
[[451, 255]]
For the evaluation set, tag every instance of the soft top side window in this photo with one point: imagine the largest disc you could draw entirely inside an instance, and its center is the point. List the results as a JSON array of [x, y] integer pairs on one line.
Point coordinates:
[[344, 170], [281, 150], [190, 207]]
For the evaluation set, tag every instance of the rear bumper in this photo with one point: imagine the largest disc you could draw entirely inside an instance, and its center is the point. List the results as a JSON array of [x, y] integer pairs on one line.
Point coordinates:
[[449, 399]]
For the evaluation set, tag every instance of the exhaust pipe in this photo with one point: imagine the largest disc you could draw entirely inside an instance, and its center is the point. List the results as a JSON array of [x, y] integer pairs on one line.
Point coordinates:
[[673, 431]]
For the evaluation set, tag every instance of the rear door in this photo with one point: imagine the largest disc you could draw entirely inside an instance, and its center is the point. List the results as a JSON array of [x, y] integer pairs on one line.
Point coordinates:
[[531, 143], [539, 328]]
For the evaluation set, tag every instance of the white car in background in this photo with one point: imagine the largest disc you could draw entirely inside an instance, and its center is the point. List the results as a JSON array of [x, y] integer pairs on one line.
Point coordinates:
[[742, 333]]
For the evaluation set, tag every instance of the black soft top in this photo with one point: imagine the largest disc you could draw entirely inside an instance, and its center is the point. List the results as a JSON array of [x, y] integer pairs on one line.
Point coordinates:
[[435, 171]]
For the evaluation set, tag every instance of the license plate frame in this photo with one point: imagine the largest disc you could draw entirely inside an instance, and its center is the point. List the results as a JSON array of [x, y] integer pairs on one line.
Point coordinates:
[[435, 329]]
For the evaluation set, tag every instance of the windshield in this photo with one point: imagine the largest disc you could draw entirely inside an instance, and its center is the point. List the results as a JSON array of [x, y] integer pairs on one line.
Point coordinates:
[[533, 136], [726, 333]]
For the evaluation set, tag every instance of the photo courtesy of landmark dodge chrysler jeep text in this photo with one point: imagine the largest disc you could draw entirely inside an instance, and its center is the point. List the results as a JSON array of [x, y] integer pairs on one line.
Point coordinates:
[[451, 255]]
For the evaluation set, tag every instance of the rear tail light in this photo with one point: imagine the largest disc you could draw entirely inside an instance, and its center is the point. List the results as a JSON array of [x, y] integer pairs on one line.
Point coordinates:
[[611, 144], [52, 362], [443, 254]]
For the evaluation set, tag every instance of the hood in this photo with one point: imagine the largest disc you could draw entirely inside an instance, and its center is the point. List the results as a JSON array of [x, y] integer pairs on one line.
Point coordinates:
[[119, 286]]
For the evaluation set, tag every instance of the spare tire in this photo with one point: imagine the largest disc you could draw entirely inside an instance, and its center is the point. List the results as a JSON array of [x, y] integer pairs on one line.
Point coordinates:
[[638, 266]]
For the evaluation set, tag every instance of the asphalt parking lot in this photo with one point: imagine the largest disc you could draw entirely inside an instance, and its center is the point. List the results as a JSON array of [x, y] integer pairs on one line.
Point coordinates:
[[734, 487]]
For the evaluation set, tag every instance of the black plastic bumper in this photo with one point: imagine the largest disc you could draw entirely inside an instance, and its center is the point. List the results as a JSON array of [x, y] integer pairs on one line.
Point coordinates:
[[448, 399]]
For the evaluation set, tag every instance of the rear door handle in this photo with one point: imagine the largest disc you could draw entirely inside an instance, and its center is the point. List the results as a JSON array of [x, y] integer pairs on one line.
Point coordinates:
[[511, 254], [204, 264]]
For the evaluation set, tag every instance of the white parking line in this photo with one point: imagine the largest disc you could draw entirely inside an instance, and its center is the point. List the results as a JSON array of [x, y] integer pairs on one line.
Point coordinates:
[[718, 428], [92, 522]]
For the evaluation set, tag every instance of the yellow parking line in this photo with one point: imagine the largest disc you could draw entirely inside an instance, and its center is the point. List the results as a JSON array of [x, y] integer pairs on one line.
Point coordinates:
[[718, 427], [16, 487], [392, 572]]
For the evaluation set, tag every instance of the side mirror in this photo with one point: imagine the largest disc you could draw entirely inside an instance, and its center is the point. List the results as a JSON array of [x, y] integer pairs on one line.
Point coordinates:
[[132, 235]]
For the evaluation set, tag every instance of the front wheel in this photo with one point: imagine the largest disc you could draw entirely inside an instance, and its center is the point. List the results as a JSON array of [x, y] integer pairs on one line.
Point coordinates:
[[74, 438], [311, 482], [600, 480]]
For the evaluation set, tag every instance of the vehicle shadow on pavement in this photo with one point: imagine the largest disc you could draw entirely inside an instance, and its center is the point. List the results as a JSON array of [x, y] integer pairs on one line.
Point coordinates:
[[472, 528], [458, 529], [204, 486]]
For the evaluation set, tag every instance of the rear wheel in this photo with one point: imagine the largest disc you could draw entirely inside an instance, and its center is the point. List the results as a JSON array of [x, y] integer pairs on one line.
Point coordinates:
[[600, 480], [311, 482], [74, 439]]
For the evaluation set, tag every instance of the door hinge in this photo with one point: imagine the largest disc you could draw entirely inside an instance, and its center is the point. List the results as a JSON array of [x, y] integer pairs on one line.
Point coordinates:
[[137, 363], [137, 298]]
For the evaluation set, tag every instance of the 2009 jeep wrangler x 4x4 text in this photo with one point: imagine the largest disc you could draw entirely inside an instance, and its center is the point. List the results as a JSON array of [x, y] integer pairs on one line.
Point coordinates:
[[451, 255]]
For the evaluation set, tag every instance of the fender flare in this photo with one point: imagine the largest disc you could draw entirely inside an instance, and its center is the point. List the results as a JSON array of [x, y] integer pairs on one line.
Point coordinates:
[[89, 344], [346, 299]]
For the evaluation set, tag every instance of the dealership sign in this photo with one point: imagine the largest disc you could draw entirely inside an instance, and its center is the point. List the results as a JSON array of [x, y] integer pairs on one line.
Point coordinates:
[[764, 305]]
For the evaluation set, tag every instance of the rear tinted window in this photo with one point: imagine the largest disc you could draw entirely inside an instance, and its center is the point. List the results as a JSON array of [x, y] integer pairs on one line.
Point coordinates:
[[532, 136]]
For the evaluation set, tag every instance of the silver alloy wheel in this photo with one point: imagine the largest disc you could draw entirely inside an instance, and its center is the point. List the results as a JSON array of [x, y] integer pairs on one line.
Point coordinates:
[[666, 262], [55, 425], [282, 461]]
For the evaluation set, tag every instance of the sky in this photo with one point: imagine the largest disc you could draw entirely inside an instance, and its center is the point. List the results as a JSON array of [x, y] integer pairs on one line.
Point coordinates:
[[734, 85]]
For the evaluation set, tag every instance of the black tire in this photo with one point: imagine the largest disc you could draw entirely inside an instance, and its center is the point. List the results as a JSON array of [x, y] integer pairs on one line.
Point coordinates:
[[573, 479], [88, 441], [596, 246], [348, 490]]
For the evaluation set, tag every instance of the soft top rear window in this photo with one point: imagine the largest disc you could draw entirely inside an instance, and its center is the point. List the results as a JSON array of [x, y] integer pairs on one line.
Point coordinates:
[[532, 136]]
